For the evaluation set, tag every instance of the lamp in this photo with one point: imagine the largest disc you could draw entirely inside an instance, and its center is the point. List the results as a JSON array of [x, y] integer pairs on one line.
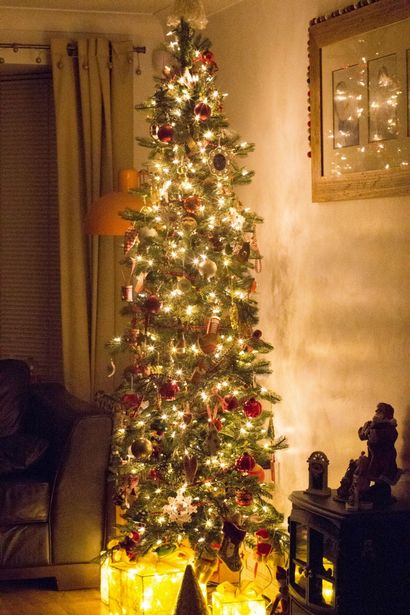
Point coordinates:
[[103, 217]]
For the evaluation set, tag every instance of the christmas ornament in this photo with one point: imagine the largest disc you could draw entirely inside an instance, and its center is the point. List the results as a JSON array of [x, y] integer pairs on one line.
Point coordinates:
[[208, 269], [189, 222], [183, 284], [190, 467], [127, 293], [245, 463], [141, 448], [244, 252], [218, 161], [203, 111], [191, 204], [212, 325], [180, 346], [263, 549], [154, 131], [147, 232], [199, 372], [152, 304], [229, 551], [180, 508], [169, 390], [252, 408], [262, 534], [190, 598], [257, 471], [230, 402], [208, 343], [130, 238], [243, 498], [131, 400], [207, 57], [139, 282], [165, 133], [257, 334]]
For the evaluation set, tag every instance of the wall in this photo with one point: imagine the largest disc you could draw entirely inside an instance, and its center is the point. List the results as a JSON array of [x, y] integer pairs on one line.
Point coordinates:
[[332, 291], [39, 26]]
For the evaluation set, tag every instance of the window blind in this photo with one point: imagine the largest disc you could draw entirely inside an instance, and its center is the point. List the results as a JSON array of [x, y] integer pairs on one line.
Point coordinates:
[[30, 321]]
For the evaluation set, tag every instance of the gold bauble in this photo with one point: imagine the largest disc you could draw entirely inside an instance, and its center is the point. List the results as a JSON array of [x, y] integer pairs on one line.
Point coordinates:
[[141, 448]]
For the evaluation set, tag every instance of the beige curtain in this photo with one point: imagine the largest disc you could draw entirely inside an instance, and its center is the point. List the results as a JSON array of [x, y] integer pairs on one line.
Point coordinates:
[[94, 115]]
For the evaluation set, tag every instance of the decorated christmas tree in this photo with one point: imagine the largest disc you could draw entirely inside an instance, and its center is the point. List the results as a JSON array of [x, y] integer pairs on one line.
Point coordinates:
[[194, 431]]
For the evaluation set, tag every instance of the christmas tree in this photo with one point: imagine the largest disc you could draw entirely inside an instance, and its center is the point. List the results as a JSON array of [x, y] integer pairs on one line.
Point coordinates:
[[194, 429]]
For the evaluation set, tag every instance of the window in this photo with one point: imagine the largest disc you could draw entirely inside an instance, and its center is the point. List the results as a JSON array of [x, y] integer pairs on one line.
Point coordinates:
[[30, 321]]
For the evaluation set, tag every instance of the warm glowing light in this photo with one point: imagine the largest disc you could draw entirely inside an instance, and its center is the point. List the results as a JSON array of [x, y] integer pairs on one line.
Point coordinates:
[[149, 588], [227, 601]]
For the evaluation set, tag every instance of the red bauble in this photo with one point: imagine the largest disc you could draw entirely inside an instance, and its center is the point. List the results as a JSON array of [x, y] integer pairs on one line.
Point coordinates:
[[203, 111], [263, 549], [131, 400], [207, 57], [257, 334], [243, 498], [258, 471], [262, 534], [152, 304], [135, 536], [245, 463], [252, 408], [230, 402], [165, 133], [168, 390]]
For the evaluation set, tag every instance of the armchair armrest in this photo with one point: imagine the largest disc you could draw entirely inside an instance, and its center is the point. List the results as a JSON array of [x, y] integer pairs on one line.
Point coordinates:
[[79, 436]]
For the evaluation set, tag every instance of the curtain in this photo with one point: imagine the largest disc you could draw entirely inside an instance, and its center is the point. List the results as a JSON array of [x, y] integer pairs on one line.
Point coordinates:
[[93, 95]]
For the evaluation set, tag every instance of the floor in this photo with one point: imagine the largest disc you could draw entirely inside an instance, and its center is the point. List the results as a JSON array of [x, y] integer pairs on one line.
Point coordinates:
[[41, 598]]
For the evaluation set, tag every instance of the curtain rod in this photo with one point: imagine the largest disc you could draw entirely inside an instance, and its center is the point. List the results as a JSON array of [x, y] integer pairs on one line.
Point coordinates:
[[71, 47]]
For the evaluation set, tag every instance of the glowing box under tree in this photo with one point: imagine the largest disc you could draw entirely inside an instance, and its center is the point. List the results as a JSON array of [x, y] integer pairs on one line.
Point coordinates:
[[228, 600], [140, 588]]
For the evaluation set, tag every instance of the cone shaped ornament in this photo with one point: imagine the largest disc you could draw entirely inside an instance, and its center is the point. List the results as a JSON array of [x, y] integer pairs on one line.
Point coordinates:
[[190, 599], [192, 11]]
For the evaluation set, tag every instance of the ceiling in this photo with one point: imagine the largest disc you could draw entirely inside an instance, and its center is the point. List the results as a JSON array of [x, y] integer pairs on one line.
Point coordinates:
[[145, 7]]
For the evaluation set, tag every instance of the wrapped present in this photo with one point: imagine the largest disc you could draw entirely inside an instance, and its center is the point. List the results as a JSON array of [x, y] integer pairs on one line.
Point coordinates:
[[146, 587], [230, 600]]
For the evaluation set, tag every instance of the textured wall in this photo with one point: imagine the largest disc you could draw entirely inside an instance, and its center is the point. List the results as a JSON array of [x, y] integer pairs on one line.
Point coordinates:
[[333, 293]]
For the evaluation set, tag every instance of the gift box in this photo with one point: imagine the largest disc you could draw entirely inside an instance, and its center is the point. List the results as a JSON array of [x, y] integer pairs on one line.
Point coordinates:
[[230, 600], [147, 587]]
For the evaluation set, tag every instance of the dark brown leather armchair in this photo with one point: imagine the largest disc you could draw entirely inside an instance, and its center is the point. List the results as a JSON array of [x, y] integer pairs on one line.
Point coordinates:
[[54, 453]]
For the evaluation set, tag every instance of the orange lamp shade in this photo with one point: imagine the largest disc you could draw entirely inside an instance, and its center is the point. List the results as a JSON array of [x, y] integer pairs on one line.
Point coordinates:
[[103, 217]]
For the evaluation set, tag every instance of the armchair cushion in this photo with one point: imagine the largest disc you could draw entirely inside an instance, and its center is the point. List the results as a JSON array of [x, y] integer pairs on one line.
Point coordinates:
[[24, 500], [20, 451], [14, 382]]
